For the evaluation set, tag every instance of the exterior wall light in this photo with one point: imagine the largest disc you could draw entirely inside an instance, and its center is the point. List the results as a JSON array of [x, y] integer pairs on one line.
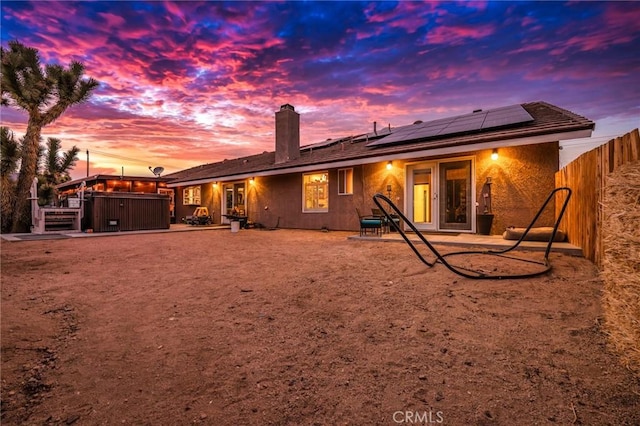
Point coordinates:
[[389, 165], [494, 155], [215, 184], [252, 181]]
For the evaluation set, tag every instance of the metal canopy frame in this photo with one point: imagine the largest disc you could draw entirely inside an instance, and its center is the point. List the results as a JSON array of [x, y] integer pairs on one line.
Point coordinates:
[[544, 264]]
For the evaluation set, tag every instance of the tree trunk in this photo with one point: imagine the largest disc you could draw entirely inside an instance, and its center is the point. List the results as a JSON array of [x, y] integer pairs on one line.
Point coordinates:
[[7, 196], [28, 169]]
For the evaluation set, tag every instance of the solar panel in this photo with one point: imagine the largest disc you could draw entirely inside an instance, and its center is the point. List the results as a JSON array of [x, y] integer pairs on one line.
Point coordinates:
[[412, 132], [474, 122], [319, 144], [506, 116], [325, 143], [392, 138], [464, 123]]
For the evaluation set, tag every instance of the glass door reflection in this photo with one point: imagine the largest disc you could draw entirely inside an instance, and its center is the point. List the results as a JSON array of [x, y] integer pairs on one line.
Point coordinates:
[[455, 195]]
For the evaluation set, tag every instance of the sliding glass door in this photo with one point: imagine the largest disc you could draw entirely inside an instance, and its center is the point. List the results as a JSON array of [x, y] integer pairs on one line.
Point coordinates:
[[234, 200], [421, 197], [455, 209]]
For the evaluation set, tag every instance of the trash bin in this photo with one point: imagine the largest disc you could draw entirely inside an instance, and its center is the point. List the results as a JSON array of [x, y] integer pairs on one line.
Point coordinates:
[[484, 224], [235, 225]]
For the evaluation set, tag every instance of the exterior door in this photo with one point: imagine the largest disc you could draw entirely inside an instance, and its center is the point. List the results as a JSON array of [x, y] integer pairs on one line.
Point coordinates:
[[172, 203], [422, 196], [234, 200], [455, 209]]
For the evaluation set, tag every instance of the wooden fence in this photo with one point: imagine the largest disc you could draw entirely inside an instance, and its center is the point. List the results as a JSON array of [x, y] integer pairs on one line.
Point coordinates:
[[587, 177]]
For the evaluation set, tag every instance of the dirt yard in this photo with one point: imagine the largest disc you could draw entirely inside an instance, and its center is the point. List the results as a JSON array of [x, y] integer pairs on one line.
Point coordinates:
[[296, 328]]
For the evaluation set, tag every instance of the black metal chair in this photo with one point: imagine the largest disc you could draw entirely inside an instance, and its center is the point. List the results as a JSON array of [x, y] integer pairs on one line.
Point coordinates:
[[372, 223]]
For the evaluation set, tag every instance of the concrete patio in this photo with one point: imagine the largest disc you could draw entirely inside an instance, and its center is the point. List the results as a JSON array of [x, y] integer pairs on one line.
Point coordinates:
[[459, 239], [473, 240]]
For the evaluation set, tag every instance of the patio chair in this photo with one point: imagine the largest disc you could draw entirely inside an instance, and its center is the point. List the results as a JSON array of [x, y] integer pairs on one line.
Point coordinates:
[[387, 225], [367, 223], [545, 264]]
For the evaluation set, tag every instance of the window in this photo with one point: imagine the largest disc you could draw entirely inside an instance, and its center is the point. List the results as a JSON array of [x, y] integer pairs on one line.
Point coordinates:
[[315, 187], [191, 195], [345, 181], [118, 186]]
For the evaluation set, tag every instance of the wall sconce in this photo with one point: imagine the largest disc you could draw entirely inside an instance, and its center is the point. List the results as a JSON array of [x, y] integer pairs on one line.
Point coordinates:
[[494, 155], [215, 184], [252, 181], [389, 165]]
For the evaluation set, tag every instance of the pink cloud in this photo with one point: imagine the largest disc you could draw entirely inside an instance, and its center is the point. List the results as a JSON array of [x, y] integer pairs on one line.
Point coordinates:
[[173, 9], [601, 40], [528, 21], [409, 16], [532, 47], [458, 34], [112, 20], [614, 27]]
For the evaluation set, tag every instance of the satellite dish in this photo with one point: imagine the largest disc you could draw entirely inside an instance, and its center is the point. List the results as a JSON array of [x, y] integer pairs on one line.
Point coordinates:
[[156, 170]]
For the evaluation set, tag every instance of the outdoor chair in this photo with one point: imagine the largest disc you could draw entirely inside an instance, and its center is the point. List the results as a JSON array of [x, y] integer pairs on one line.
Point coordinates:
[[542, 266], [387, 225], [372, 223]]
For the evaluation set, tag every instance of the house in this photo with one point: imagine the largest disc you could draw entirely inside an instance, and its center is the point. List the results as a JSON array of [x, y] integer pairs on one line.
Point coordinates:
[[439, 172]]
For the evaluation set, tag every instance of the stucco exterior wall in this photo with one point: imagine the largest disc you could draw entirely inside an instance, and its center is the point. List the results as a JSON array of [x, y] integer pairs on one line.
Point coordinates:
[[208, 199], [273, 197], [378, 179], [522, 177]]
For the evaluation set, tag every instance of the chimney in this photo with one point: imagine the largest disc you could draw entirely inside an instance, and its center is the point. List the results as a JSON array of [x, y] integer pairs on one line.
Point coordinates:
[[287, 134]]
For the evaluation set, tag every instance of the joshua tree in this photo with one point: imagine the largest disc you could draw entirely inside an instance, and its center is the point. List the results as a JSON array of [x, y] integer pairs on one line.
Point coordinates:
[[9, 164], [56, 169], [45, 94]]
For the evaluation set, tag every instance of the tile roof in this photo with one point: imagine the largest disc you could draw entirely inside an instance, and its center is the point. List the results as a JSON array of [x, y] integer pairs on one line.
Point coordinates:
[[547, 119]]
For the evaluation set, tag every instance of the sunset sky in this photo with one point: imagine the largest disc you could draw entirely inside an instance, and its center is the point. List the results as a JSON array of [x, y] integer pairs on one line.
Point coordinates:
[[188, 83]]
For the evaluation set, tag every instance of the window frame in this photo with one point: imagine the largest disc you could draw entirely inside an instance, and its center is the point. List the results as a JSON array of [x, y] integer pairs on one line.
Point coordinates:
[[304, 192], [345, 181], [192, 195]]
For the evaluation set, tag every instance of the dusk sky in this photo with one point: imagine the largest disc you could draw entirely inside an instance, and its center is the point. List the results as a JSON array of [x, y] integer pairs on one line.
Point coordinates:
[[188, 83]]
